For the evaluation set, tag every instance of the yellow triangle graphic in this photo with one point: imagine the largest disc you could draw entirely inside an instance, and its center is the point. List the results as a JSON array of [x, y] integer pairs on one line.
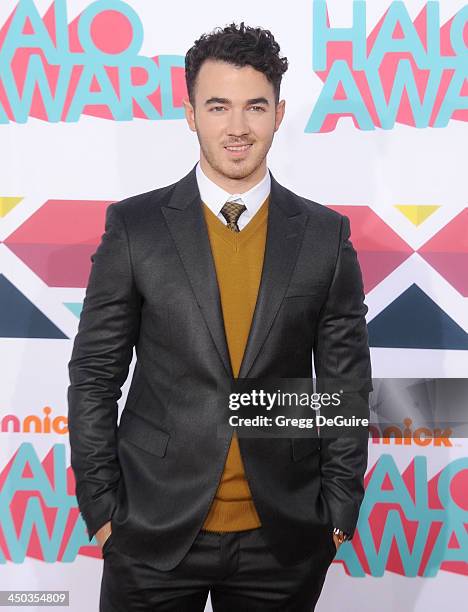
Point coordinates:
[[417, 214], [7, 204]]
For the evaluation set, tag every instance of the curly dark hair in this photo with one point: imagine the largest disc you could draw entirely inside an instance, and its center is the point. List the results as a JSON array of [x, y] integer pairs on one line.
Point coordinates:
[[239, 45]]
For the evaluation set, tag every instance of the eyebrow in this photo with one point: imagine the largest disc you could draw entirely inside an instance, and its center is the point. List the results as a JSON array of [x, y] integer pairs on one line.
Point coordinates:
[[215, 100]]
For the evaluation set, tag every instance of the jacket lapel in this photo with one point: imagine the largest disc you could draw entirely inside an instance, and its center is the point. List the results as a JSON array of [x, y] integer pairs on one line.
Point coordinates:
[[184, 217], [285, 232], [285, 227]]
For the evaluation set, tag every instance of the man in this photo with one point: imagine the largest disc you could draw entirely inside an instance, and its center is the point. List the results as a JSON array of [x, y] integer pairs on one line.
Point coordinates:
[[225, 274]]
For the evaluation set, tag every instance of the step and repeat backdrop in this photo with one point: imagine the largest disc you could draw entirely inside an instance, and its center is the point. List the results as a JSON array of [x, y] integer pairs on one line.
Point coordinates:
[[375, 127]]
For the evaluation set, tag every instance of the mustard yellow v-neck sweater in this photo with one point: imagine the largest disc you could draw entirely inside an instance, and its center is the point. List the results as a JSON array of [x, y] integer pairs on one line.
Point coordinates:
[[238, 259]]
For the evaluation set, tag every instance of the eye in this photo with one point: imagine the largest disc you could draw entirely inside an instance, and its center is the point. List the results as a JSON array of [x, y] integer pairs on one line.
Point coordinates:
[[258, 108], [215, 108]]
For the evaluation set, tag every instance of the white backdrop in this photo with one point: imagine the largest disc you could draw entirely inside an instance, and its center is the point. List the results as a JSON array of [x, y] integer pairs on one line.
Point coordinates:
[[56, 178]]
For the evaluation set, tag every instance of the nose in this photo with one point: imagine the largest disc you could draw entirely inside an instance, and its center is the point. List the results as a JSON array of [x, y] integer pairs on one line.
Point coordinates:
[[238, 125]]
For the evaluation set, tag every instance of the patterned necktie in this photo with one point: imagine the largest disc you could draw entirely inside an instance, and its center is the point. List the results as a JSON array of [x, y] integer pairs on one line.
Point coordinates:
[[231, 211]]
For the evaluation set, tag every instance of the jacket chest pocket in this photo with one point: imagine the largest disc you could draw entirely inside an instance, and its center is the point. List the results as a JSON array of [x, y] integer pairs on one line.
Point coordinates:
[[298, 289], [301, 447]]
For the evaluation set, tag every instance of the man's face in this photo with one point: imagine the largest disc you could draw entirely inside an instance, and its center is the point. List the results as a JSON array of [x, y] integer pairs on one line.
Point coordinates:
[[234, 117]]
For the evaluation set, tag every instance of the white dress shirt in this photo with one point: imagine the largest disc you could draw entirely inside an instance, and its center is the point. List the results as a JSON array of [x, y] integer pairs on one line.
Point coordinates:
[[215, 197]]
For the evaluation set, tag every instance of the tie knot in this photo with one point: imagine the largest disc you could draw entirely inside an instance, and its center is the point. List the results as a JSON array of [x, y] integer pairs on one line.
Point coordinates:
[[231, 211]]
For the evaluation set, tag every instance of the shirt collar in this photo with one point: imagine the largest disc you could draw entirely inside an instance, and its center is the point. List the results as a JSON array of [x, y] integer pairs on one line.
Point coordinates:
[[215, 196]]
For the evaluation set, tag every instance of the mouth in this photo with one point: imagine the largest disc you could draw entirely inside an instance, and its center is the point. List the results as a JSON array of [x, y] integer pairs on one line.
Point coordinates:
[[238, 150]]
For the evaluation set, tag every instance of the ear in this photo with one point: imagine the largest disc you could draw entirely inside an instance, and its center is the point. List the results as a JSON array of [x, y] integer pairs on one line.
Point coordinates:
[[189, 114], [279, 113]]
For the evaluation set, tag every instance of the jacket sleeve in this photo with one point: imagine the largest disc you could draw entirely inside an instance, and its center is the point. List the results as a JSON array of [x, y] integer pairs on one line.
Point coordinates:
[[98, 367], [342, 359]]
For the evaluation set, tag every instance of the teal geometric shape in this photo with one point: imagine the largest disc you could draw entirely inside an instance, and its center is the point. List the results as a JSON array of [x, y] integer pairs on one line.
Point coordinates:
[[75, 308]]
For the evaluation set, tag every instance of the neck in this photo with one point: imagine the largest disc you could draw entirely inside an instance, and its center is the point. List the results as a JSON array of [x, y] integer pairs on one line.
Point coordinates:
[[233, 185]]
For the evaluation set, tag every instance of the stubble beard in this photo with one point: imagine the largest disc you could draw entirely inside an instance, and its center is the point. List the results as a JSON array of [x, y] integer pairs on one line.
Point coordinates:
[[235, 168]]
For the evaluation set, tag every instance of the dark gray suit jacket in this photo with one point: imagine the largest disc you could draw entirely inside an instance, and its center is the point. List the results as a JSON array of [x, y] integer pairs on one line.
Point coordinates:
[[153, 287]]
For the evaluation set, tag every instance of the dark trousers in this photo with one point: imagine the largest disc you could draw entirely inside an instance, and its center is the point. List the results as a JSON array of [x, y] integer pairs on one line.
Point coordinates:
[[237, 568]]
